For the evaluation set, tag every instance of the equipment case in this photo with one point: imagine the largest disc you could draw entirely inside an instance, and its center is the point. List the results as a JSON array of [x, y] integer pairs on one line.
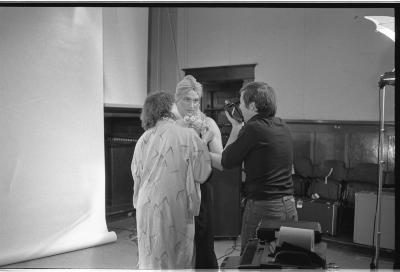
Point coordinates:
[[320, 211]]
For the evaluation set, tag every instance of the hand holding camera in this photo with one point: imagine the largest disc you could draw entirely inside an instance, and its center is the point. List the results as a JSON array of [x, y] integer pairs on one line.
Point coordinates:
[[233, 112]]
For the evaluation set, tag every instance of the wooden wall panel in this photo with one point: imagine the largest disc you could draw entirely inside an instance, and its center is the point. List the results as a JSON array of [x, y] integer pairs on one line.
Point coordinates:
[[330, 144], [363, 148], [351, 142], [303, 146]]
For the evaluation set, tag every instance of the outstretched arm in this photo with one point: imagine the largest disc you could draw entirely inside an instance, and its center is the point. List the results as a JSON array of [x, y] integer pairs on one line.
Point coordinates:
[[214, 139]]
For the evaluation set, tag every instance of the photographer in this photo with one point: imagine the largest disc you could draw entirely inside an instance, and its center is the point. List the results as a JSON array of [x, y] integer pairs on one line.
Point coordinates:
[[264, 143]]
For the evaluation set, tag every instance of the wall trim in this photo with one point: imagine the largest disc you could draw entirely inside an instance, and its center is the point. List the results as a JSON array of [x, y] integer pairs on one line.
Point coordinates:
[[337, 122], [121, 111], [221, 73]]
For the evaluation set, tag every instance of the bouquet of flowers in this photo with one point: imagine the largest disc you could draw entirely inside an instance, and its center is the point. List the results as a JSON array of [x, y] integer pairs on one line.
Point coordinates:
[[196, 121]]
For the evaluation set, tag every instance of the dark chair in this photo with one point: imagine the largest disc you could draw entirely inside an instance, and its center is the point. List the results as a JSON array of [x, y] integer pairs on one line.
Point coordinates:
[[303, 170]]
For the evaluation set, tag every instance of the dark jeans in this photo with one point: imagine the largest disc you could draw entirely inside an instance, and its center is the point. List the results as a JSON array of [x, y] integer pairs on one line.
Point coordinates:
[[283, 208], [204, 232]]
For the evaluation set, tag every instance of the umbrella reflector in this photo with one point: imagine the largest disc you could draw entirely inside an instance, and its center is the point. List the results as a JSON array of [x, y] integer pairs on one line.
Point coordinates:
[[384, 25]]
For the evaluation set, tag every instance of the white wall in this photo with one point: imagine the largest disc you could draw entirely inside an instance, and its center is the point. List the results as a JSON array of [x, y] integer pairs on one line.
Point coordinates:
[[323, 63], [125, 32]]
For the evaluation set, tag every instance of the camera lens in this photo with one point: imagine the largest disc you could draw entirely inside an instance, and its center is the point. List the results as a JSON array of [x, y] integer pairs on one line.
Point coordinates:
[[233, 110]]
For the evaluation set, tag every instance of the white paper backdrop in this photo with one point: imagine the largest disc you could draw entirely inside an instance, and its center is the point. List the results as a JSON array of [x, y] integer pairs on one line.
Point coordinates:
[[52, 177]]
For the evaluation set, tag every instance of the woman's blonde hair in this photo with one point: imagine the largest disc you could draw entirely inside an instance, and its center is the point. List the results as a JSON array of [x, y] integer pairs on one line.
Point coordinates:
[[187, 84]]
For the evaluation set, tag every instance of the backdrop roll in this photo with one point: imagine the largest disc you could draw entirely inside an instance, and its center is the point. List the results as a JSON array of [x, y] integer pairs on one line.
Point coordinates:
[[52, 172]]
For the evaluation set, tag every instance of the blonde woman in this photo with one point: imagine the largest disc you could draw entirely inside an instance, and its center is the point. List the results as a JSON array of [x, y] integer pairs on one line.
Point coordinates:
[[187, 100]]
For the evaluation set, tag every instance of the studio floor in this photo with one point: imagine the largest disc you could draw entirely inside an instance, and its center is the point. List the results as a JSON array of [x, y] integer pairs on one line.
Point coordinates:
[[122, 254]]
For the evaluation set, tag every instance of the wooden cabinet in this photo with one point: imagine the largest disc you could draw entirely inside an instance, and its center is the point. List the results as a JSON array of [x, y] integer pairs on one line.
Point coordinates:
[[122, 129], [119, 185], [213, 102], [227, 198], [226, 184]]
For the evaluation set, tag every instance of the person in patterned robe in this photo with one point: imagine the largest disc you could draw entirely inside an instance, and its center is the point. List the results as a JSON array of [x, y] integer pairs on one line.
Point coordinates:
[[168, 165]]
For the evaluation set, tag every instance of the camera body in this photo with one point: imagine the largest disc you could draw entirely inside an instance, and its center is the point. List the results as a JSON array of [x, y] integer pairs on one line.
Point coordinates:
[[233, 110]]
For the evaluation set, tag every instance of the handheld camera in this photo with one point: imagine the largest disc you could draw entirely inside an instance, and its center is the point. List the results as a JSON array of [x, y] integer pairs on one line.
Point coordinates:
[[234, 111]]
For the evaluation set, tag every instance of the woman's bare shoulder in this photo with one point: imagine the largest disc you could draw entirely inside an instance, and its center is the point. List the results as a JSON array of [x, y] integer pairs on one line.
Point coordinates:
[[212, 125], [211, 121]]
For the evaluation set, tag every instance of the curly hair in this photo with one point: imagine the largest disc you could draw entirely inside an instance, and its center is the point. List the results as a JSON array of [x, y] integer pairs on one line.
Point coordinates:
[[156, 106], [262, 95]]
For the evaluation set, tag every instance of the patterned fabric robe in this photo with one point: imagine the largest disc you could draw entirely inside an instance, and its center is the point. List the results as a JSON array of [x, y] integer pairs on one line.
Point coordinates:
[[168, 165]]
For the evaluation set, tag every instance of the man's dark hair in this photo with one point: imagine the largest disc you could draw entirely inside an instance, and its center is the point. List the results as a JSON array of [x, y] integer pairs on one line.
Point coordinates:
[[157, 105], [262, 95]]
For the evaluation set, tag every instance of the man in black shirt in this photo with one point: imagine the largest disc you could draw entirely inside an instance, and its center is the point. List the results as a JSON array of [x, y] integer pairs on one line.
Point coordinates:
[[264, 144]]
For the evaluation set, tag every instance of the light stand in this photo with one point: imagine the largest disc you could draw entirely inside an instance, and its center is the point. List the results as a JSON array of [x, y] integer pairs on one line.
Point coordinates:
[[387, 78]]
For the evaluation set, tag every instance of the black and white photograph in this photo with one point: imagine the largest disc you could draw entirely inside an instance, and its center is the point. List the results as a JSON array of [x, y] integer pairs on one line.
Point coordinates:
[[199, 135]]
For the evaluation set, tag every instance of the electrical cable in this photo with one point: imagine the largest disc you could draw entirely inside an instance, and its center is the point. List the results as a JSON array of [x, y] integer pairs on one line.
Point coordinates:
[[133, 233], [227, 253], [232, 249], [272, 247]]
